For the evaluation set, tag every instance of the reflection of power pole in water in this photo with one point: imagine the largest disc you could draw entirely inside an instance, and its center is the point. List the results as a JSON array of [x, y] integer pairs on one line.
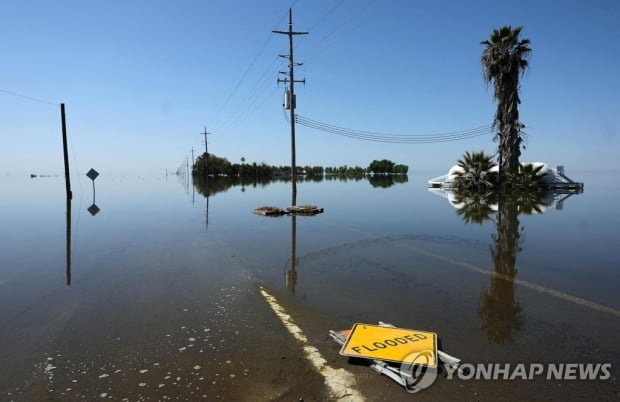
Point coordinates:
[[186, 175], [291, 274], [193, 163], [207, 214], [68, 241], [290, 97]]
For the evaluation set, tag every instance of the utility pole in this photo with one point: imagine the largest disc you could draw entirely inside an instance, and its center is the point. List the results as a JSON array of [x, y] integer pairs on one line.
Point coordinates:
[[206, 152], [291, 96], [64, 149]]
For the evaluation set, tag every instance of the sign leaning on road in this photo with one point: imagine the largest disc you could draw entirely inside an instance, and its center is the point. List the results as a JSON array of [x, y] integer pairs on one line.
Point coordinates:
[[392, 344]]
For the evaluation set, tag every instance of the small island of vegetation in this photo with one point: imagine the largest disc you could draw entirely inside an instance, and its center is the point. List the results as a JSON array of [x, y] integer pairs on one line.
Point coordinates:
[[212, 165]]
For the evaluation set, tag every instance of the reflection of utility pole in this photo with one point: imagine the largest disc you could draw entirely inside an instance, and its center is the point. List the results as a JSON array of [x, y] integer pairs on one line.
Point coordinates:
[[291, 274], [186, 175], [207, 212], [291, 97], [68, 241], [206, 152], [193, 163]]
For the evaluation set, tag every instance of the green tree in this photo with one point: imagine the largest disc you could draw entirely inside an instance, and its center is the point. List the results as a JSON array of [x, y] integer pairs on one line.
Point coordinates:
[[215, 165], [383, 166], [527, 179], [401, 169], [475, 174], [504, 60]]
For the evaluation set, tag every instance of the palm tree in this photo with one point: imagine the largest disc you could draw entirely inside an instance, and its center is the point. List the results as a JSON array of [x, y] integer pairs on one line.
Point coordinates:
[[527, 179], [475, 174], [504, 60]]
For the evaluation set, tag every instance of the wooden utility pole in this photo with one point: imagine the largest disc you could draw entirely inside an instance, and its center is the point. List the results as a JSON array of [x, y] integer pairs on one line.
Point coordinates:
[[206, 152], [291, 97], [65, 152]]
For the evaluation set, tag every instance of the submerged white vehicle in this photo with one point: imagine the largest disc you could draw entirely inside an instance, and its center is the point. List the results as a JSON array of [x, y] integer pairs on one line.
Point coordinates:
[[559, 185], [555, 179]]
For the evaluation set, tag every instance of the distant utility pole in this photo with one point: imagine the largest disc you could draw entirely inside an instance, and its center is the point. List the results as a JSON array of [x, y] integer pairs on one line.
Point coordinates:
[[206, 152], [290, 96], [193, 157]]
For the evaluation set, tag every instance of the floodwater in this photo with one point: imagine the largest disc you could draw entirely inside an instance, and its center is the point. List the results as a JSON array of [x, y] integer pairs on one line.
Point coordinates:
[[146, 288]]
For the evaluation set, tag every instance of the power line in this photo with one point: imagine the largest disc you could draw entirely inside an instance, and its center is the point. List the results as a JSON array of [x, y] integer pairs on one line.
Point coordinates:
[[253, 106], [252, 96], [320, 20], [249, 68], [392, 138], [251, 99], [28, 97], [317, 45]]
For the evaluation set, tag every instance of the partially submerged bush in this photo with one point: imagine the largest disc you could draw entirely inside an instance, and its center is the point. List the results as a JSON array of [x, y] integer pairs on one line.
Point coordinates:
[[475, 174], [529, 178]]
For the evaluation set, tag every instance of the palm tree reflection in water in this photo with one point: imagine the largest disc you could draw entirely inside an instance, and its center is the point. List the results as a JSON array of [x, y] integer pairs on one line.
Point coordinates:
[[499, 310]]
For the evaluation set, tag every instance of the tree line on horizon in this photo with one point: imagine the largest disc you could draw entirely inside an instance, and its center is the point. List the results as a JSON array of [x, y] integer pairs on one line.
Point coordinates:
[[213, 165]]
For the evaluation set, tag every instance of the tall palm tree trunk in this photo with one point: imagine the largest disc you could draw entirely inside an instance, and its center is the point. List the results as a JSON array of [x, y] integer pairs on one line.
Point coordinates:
[[503, 60]]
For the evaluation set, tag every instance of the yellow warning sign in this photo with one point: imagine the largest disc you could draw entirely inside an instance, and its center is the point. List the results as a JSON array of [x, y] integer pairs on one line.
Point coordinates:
[[392, 344]]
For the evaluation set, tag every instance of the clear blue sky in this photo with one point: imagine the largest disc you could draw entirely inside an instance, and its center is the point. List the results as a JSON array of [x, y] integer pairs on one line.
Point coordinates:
[[141, 79]]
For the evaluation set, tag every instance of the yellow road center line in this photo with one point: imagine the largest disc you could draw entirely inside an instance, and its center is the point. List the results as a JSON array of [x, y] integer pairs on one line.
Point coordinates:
[[340, 382]]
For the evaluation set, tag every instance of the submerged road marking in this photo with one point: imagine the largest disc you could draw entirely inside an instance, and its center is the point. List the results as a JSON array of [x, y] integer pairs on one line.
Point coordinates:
[[340, 382], [524, 283], [539, 288]]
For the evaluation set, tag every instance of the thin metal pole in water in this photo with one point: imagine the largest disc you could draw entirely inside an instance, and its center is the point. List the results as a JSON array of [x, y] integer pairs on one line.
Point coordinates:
[[66, 153]]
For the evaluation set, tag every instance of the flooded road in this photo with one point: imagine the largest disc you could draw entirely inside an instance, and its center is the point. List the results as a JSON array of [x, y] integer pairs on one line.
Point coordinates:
[[161, 299]]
